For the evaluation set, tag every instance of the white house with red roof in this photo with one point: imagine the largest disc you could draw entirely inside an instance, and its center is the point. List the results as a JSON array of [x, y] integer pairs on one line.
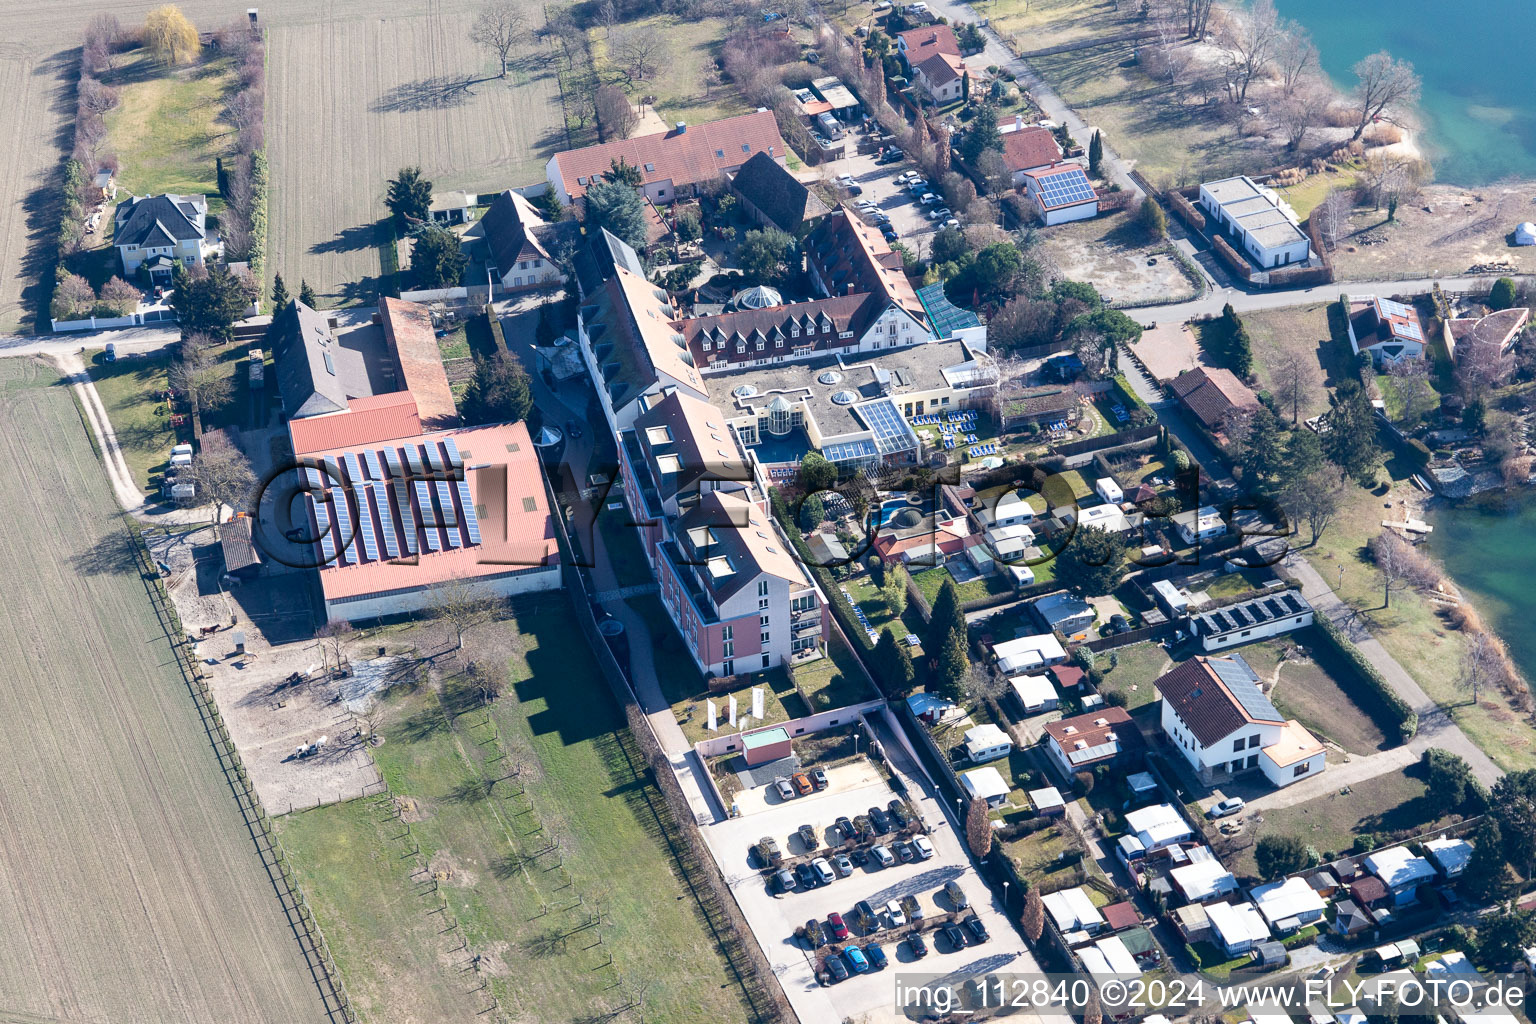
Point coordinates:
[[518, 257], [933, 56], [671, 163], [1027, 147], [1061, 193]]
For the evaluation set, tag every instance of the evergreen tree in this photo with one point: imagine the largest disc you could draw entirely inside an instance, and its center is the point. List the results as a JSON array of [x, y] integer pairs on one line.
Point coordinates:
[[1277, 856], [1488, 875], [1235, 350], [1303, 455], [1350, 442], [1502, 938], [409, 196], [817, 473], [965, 87], [1096, 155], [893, 664], [1091, 563], [1503, 294], [982, 134], [1153, 221], [500, 392], [307, 295], [946, 617], [437, 259], [618, 208], [208, 302], [623, 172], [280, 298], [1263, 452], [953, 666]]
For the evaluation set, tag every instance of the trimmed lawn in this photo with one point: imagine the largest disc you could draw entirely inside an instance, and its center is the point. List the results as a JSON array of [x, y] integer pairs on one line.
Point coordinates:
[[1136, 668], [931, 581], [485, 846], [1301, 331], [678, 85], [1309, 690], [780, 704], [1329, 824], [454, 344], [835, 681], [1308, 193], [141, 421], [165, 128]]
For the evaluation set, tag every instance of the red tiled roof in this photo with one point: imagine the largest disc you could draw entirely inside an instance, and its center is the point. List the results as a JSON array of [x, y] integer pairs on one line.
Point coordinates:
[[1202, 701], [941, 68], [700, 153], [1213, 394], [507, 488], [922, 43], [846, 251], [1368, 889], [408, 330], [842, 313], [370, 419], [1085, 729], [1029, 147], [1120, 916], [1067, 676]]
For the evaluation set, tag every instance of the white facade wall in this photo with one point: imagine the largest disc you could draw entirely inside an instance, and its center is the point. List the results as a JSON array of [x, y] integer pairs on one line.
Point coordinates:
[[1067, 214], [1281, 777], [187, 250], [1262, 631], [532, 273], [416, 599], [1219, 755]]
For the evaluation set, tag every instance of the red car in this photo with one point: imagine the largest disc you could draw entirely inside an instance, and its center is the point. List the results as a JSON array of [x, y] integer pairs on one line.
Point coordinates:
[[836, 927]]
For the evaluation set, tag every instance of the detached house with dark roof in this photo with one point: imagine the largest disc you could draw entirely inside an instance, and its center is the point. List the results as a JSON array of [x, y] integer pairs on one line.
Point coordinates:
[[520, 261], [1214, 395], [1214, 713], [156, 231], [773, 197]]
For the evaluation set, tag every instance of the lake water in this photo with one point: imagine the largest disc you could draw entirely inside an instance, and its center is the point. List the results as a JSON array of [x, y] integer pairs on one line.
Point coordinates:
[[1490, 552], [1477, 63]]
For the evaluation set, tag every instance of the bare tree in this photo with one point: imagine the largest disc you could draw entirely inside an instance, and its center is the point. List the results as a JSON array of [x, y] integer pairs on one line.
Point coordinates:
[[196, 373], [498, 27], [245, 109], [1033, 918], [616, 117], [222, 474], [978, 828], [1197, 17], [1298, 112], [463, 604], [1295, 377], [94, 97], [1315, 498], [1385, 176], [994, 171], [1415, 392], [334, 637], [1382, 82], [638, 51], [1333, 216], [1482, 663], [1399, 565], [491, 678], [1481, 366], [1251, 38], [1295, 56]]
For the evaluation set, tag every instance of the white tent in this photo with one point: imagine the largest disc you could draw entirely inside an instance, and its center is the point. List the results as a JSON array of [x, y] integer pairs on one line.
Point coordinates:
[[1525, 234]]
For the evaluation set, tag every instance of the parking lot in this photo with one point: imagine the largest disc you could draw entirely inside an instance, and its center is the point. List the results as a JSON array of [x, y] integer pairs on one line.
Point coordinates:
[[774, 918], [879, 185]]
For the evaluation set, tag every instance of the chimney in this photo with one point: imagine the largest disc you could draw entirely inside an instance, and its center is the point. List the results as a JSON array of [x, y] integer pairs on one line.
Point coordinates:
[[850, 288], [682, 126], [1018, 122]]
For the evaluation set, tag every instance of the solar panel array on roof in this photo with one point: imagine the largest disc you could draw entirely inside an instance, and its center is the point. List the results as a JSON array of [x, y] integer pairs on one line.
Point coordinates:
[[892, 433], [1238, 678], [1064, 188]]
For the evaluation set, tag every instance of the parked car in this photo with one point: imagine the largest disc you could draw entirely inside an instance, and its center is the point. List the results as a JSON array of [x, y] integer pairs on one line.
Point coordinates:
[[897, 916], [956, 895], [843, 829], [1449, 901], [905, 852], [863, 827], [929, 199], [844, 180], [573, 428], [806, 875], [865, 917], [802, 782], [923, 846], [783, 881], [875, 955], [898, 812], [818, 778], [890, 156], [768, 849], [836, 926], [813, 935], [953, 222], [855, 190], [918, 187], [823, 871], [883, 855], [917, 944], [942, 213], [842, 864], [953, 935], [786, 791], [835, 967], [1230, 806], [889, 233], [880, 820], [856, 959], [807, 836], [977, 929], [912, 907]]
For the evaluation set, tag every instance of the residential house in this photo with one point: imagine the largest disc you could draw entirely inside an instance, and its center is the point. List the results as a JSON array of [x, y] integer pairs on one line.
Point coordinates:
[[671, 163], [1350, 920], [1401, 872], [1370, 892], [1199, 524], [518, 259], [1034, 693], [1027, 147], [162, 229], [1011, 543], [1288, 905], [316, 375], [1191, 922], [1108, 518], [840, 100], [1204, 878], [1214, 713], [1029, 653], [1121, 916], [1499, 328], [986, 742], [1236, 928], [1062, 613], [916, 45], [773, 197], [1010, 508], [933, 57], [1384, 329], [1072, 910], [1250, 621], [1109, 959], [1083, 742], [1061, 193], [1214, 396], [1166, 593], [1263, 223], [986, 784], [1451, 856], [1157, 826]]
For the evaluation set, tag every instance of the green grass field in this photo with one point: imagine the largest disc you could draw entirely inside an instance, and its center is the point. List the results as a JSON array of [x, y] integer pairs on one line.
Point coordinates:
[[166, 128], [679, 86], [141, 421], [569, 892], [835, 681]]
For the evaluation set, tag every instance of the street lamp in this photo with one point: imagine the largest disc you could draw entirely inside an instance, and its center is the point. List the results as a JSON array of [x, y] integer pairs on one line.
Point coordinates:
[[1005, 897], [1341, 577]]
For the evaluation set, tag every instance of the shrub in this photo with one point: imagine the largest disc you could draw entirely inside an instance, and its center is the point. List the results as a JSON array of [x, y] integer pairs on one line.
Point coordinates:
[[1084, 782], [1364, 843]]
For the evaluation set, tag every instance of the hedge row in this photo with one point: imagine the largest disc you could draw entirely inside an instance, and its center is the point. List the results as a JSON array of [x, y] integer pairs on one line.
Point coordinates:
[[258, 212], [1407, 718]]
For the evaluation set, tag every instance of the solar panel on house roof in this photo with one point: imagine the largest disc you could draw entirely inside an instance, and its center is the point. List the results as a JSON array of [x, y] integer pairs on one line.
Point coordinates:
[[323, 529], [1391, 308], [892, 434], [452, 448], [429, 519], [365, 532], [1238, 678], [1064, 188], [346, 528], [386, 522], [471, 517]]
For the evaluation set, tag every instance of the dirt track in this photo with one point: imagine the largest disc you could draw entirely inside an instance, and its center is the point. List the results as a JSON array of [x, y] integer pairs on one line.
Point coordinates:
[[331, 63], [132, 892]]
